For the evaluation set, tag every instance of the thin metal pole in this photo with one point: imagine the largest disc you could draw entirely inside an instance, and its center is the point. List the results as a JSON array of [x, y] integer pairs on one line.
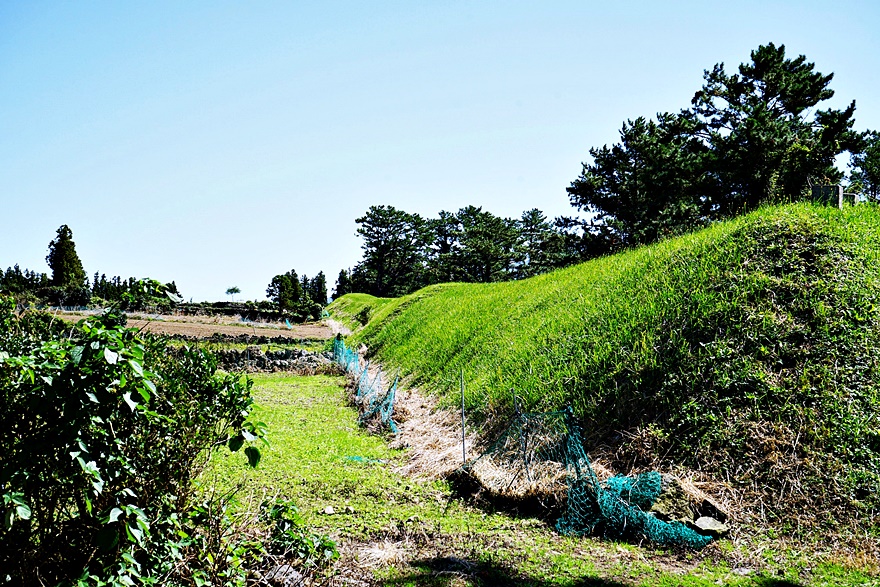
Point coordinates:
[[463, 453]]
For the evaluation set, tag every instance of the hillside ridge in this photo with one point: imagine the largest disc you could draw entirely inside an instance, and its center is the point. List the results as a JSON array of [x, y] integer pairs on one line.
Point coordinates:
[[747, 351]]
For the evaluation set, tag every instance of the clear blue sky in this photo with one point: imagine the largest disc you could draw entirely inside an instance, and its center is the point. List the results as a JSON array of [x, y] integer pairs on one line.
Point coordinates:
[[221, 143]]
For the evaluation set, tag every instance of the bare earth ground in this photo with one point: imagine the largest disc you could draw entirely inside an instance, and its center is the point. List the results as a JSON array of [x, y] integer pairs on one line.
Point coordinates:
[[205, 326]]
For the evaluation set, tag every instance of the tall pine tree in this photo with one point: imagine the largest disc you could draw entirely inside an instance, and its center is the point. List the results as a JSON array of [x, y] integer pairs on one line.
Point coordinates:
[[67, 269]]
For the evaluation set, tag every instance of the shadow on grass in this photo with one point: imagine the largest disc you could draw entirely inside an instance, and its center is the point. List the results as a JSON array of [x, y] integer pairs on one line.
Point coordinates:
[[466, 488], [449, 570]]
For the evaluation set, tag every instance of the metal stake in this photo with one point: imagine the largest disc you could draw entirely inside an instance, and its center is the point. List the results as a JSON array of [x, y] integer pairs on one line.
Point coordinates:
[[463, 453]]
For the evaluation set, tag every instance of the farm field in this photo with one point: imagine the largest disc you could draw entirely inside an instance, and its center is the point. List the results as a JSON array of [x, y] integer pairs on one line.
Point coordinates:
[[394, 529], [206, 326]]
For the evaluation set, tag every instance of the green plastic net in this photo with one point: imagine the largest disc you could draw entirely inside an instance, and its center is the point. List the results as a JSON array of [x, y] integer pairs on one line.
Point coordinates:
[[543, 455], [375, 402]]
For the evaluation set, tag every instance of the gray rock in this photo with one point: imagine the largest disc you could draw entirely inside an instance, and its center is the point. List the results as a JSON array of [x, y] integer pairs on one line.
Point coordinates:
[[284, 576], [711, 527], [673, 504]]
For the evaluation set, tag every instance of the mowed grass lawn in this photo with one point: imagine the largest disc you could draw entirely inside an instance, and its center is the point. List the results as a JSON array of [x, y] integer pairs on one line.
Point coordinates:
[[402, 531]]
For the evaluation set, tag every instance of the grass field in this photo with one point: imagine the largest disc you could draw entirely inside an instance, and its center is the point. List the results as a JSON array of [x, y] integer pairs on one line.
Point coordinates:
[[395, 530], [749, 351]]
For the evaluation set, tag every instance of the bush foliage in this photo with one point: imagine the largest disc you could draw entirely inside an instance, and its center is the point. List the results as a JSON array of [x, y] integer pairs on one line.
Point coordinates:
[[103, 432]]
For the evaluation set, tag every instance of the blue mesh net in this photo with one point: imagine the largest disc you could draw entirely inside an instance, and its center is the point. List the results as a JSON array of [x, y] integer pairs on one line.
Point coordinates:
[[543, 454], [376, 403]]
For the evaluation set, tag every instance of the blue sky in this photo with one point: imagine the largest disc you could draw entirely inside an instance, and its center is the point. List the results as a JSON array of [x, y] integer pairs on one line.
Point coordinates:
[[221, 143]]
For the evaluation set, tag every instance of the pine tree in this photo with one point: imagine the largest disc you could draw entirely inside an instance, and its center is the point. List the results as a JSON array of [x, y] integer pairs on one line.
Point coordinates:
[[343, 284], [67, 269], [318, 288]]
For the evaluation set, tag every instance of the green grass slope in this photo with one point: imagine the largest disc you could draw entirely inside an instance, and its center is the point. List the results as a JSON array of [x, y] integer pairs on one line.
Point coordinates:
[[354, 310], [748, 350]]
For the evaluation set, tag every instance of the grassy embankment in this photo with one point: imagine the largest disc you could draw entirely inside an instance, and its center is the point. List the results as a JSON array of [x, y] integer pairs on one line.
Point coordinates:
[[354, 310], [748, 351], [395, 530]]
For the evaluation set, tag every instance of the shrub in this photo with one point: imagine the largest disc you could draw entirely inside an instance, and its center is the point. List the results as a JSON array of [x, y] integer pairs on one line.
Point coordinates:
[[103, 434], [364, 315]]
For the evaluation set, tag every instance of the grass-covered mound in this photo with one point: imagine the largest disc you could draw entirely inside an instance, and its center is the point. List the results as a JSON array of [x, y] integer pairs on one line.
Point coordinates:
[[748, 351], [355, 310]]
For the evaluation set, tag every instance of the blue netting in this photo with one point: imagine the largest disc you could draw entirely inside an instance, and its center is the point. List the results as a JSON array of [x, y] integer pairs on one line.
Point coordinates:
[[544, 454], [375, 402], [347, 358]]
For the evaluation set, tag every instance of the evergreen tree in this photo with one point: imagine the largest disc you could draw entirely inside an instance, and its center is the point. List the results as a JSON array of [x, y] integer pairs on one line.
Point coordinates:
[[540, 248], [305, 287], [486, 246], [318, 288], [67, 269], [285, 290], [767, 141], [865, 165], [343, 284], [394, 252], [445, 231], [649, 185], [750, 137]]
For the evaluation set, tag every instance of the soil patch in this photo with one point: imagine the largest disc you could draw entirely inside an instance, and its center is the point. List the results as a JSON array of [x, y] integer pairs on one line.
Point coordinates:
[[208, 326]]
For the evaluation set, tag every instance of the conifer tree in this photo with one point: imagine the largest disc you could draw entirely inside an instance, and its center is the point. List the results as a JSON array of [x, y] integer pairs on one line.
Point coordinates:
[[67, 269]]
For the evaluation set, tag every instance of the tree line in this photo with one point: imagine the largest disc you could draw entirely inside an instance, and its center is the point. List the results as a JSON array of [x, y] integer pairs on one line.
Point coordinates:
[[290, 296], [69, 285], [754, 136], [299, 297], [403, 251], [750, 137]]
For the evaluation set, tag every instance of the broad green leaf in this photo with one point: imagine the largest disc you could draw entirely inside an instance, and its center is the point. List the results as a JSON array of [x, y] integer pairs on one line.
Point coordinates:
[[76, 354], [135, 533], [23, 511], [236, 442], [136, 367], [110, 356], [138, 512], [130, 559], [114, 514], [108, 538], [253, 456]]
